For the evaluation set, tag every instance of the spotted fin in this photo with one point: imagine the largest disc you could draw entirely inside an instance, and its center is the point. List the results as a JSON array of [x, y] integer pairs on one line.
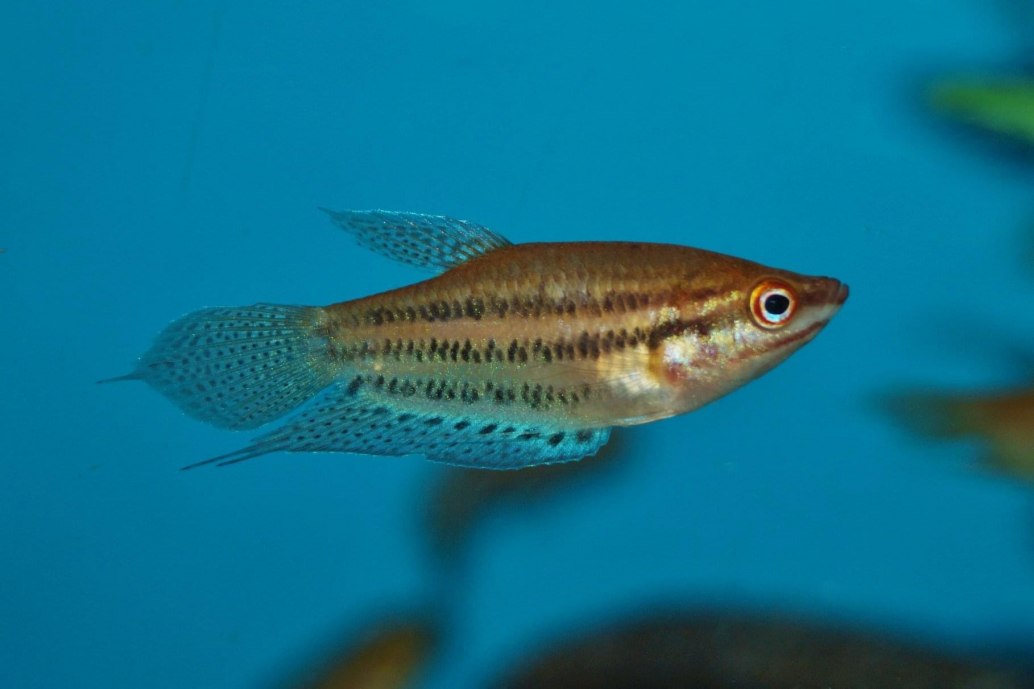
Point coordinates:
[[345, 420], [437, 242], [239, 367]]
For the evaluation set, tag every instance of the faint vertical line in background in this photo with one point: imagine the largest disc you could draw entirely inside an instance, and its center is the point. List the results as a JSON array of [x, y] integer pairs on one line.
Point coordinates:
[[202, 106]]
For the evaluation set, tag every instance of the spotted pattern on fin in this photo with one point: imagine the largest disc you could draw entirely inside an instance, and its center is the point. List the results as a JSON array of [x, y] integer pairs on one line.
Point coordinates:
[[437, 242], [345, 420], [239, 367]]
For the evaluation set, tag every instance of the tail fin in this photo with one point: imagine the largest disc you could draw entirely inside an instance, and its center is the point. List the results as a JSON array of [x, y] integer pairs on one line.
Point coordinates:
[[240, 367]]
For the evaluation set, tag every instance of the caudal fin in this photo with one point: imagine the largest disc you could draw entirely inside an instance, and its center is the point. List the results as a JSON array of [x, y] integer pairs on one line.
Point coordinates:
[[240, 367]]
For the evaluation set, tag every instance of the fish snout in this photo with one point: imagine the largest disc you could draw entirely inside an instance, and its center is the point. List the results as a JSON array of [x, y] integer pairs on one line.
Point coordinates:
[[821, 299], [827, 294], [842, 292]]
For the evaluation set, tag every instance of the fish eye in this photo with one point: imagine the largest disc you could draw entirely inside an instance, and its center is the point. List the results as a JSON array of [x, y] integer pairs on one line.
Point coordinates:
[[773, 303]]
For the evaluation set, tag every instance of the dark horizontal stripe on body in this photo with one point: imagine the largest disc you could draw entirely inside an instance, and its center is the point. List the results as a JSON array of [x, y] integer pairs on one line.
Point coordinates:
[[537, 396], [516, 351], [524, 306]]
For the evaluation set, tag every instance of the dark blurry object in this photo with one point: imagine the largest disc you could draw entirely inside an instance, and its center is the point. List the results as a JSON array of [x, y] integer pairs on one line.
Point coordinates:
[[1004, 420], [708, 650], [388, 656], [464, 496], [1000, 105]]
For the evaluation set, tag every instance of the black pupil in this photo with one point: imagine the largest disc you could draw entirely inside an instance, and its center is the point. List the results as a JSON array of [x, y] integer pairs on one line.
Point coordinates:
[[777, 304]]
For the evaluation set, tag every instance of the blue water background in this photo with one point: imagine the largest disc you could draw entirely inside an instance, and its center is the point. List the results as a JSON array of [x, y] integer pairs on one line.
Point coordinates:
[[161, 157]]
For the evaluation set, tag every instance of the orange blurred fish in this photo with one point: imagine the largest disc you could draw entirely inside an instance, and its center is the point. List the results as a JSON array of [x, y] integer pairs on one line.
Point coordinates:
[[390, 656], [515, 355], [1005, 420]]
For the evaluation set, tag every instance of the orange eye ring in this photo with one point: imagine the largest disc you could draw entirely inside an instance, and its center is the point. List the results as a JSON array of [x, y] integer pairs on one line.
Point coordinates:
[[773, 303]]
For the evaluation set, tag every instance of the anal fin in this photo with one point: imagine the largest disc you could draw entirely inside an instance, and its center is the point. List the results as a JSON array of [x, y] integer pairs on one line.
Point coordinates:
[[345, 420]]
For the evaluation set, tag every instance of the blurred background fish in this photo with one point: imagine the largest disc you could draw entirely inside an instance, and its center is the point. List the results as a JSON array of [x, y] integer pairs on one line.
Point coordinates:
[[390, 654], [462, 497], [998, 104], [708, 649], [1003, 420]]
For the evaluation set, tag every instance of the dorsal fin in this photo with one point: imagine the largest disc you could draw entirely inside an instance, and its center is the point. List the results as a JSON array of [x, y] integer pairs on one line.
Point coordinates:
[[437, 242]]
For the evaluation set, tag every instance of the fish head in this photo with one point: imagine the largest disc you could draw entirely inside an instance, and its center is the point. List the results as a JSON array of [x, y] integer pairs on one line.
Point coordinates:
[[737, 321]]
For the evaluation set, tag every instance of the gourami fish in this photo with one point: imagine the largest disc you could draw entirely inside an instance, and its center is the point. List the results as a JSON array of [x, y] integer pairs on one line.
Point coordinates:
[[515, 355], [1005, 420]]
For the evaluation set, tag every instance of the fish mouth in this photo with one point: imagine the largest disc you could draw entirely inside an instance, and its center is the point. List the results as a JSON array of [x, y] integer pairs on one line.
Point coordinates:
[[825, 293], [826, 307], [841, 295], [835, 297]]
